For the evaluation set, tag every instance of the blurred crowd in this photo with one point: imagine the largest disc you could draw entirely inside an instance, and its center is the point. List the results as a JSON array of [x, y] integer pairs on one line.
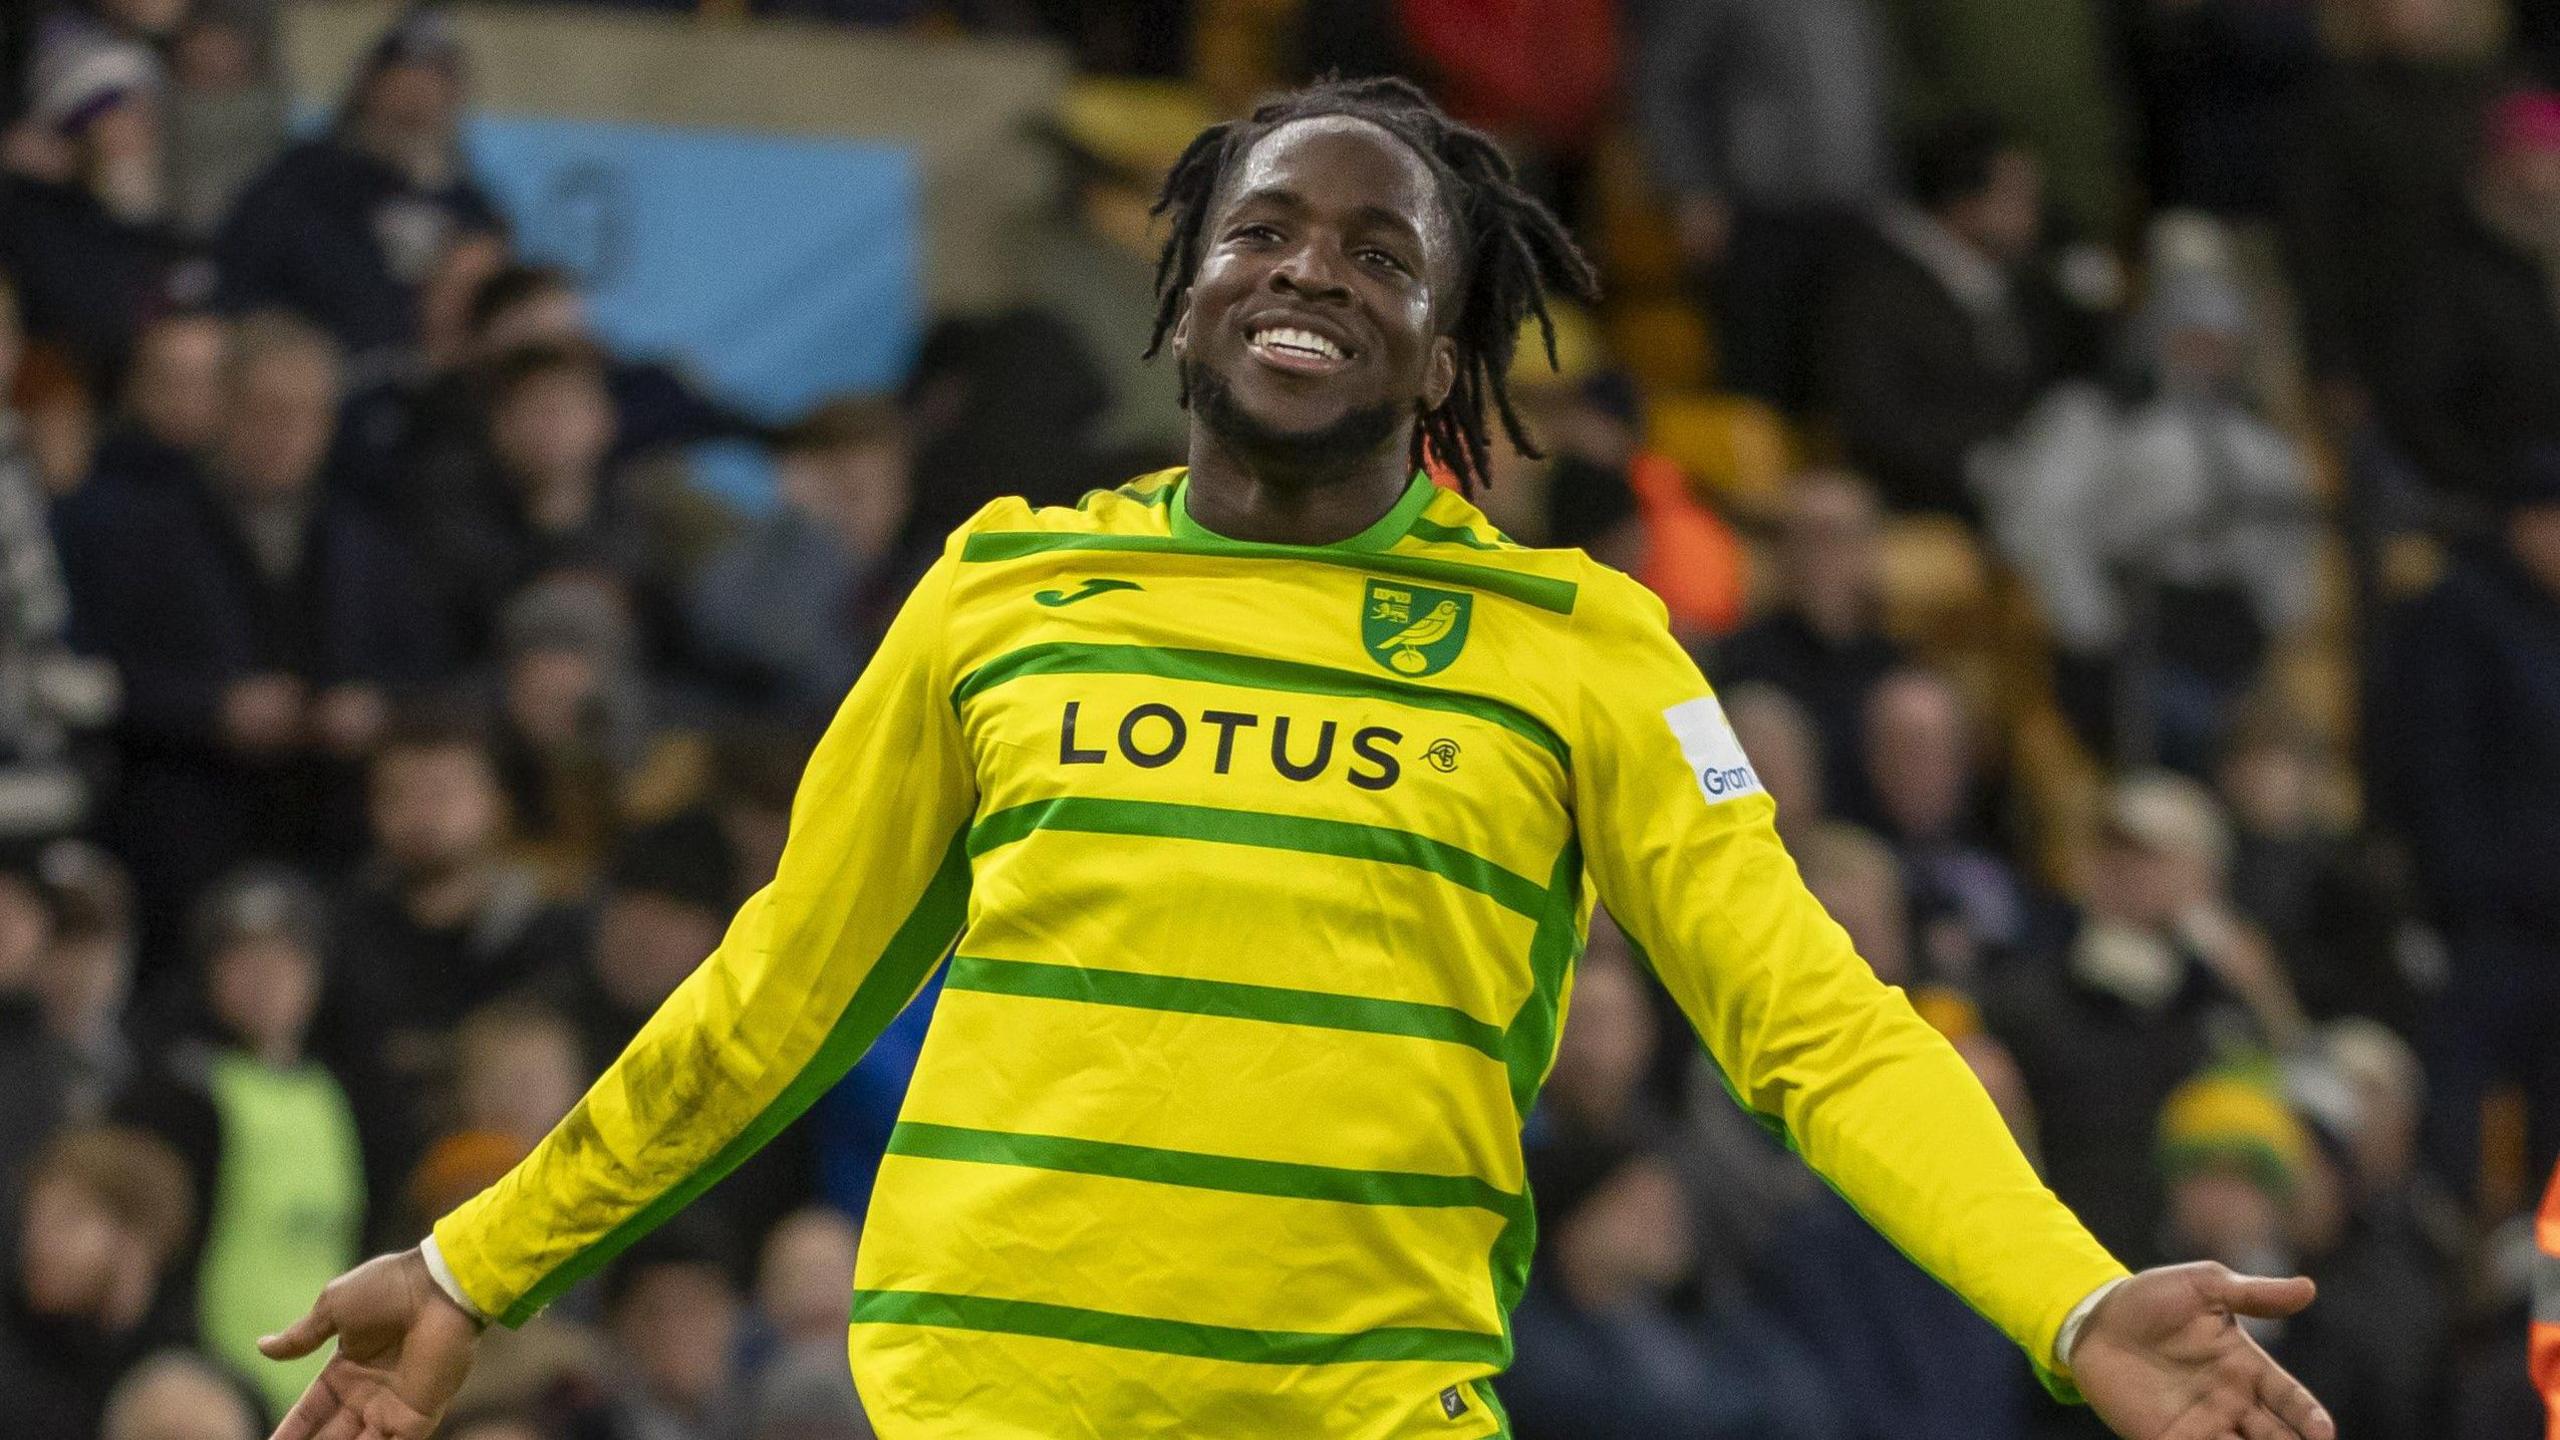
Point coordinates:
[[2105, 452]]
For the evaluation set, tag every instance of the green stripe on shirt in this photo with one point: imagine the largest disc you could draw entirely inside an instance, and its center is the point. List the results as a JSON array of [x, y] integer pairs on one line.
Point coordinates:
[[1306, 834], [1174, 1337], [1250, 671], [1229, 999], [1195, 1171], [1538, 590]]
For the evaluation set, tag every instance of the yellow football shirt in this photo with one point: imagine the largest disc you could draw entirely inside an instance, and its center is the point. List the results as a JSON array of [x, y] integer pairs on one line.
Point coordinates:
[[1261, 871]]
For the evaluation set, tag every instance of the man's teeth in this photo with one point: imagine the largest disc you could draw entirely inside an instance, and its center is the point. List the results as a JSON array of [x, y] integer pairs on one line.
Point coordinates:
[[1303, 341]]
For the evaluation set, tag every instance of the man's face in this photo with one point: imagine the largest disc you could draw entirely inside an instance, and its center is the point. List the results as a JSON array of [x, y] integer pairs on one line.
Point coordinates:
[[176, 389], [559, 423], [2007, 218], [262, 990], [68, 1250], [1828, 543], [678, 1324], [646, 944], [283, 411], [434, 808], [1919, 756], [1312, 334], [414, 104]]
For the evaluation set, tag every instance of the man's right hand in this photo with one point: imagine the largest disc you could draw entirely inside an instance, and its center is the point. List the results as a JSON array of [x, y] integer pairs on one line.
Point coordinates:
[[403, 1349]]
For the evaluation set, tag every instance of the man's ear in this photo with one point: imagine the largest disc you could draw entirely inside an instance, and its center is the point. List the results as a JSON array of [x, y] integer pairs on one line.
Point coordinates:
[[1182, 327], [1441, 374]]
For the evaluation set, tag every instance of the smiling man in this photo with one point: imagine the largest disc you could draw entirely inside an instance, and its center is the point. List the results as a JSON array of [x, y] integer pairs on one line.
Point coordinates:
[[1259, 809]]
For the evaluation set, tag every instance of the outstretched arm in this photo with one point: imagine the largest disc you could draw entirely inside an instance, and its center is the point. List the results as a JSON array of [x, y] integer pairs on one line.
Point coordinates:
[[871, 890], [1682, 847]]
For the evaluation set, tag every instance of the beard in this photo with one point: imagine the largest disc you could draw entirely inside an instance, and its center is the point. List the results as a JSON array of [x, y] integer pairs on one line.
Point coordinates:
[[1329, 449]]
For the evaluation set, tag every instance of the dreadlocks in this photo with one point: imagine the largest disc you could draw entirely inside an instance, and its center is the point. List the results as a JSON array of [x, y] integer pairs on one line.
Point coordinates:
[[1511, 250]]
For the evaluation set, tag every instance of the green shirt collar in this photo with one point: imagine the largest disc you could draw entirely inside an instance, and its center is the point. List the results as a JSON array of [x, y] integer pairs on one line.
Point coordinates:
[[1387, 530]]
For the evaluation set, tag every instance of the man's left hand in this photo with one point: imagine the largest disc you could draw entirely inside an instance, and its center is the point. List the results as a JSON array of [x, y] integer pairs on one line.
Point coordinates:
[[2164, 1358]]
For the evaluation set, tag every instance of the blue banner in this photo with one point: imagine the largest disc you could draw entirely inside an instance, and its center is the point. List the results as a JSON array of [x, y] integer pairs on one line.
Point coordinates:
[[778, 270]]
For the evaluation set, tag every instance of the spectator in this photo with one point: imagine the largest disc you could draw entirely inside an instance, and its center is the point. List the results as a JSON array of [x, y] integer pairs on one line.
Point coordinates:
[[2388, 1296], [2167, 529], [2249, 1186], [2334, 905], [268, 1133], [1921, 761], [47, 694], [86, 976], [541, 496], [805, 1274], [1605, 1351], [2125, 1004], [655, 406], [1785, 753], [1599, 487], [2468, 770], [2059, 90], [259, 663], [665, 903], [845, 490], [38, 1071], [172, 410], [672, 1308], [226, 110], [1768, 123], [518, 1068], [574, 719], [1824, 642], [410, 435], [344, 229], [1938, 336], [440, 920], [2473, 383], [104, 1214], [175, 1396], [88, 239], [2380, 148]]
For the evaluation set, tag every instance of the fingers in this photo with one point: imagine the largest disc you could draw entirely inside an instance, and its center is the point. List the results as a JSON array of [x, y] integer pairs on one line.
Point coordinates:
[[301, 1337], [2290, 1401], [2258, 1297], [2263, 1425], [303, 1421]]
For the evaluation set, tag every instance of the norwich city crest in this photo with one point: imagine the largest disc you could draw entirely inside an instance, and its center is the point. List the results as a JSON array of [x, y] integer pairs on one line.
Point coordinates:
[[1413, 630]]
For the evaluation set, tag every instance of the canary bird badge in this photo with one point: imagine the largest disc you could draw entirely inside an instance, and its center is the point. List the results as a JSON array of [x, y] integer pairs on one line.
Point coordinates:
[[1413, 630]]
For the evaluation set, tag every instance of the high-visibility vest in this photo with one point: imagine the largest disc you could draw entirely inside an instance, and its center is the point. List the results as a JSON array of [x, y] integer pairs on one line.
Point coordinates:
[[2546, 1303]]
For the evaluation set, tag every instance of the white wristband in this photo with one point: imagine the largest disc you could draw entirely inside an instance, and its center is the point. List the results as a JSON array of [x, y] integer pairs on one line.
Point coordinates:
[[442, 1274], [2067, 1338]]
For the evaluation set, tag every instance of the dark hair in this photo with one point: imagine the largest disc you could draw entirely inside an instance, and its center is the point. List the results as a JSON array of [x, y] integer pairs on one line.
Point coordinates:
[[1953, 161], [693, 1240], [848, 422], [1511, 249], [518, 368], [511, 286]]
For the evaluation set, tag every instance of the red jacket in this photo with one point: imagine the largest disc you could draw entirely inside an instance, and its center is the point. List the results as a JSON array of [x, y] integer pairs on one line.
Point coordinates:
[[1544, 71]]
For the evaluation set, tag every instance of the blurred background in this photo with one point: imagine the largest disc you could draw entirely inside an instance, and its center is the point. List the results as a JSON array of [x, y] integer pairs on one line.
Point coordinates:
[[2105, 452]]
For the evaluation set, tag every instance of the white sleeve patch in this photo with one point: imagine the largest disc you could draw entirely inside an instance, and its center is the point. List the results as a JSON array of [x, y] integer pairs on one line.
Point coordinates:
[[1714, 754]]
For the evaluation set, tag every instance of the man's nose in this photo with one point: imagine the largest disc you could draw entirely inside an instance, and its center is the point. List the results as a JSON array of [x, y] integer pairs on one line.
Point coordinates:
[[1312, 270]]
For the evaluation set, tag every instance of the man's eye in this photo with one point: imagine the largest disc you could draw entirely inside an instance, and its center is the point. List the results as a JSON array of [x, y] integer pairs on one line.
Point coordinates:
[[1254, 232], [1387, 258]]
